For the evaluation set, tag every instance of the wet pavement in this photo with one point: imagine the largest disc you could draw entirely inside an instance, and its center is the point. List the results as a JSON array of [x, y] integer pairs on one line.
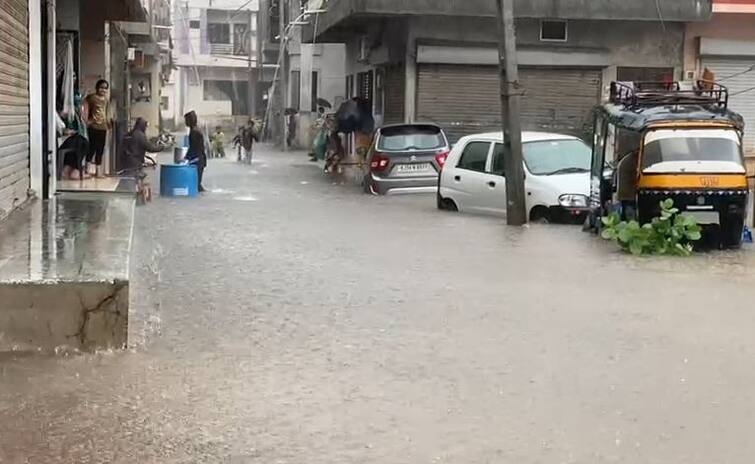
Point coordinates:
[[284, 318]]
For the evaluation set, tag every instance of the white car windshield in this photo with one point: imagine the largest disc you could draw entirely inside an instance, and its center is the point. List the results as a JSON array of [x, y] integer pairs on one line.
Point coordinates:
[[550, 157], [682, 147]]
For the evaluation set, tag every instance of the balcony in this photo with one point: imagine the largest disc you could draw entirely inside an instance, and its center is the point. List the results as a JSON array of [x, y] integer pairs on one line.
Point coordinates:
[[229, 49], [344, 15]]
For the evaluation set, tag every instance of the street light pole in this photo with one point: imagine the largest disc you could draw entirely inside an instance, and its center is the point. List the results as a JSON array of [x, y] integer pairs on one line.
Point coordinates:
[[516, 211]]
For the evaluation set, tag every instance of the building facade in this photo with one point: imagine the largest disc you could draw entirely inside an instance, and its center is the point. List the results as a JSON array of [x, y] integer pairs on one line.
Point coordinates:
[[39, 36], [217, 56], [308, 71], [725, 46], [437, 61]]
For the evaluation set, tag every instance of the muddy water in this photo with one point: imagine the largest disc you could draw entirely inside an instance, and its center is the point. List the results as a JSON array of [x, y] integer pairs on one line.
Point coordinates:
[[315, 324]]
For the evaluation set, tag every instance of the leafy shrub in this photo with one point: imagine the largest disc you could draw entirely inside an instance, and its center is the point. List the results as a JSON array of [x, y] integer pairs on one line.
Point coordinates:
[[670, 234]]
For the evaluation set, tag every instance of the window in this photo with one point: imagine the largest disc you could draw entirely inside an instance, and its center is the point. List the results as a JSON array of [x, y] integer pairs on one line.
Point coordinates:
[[364, 85], [415, 137], [672, 150], [295, 84], [475, 156], [218, 33], [274, 22], [557, 157], [241, 39], [498, 168], [194, 24], [553, 31], [237, 92], [165, 103]]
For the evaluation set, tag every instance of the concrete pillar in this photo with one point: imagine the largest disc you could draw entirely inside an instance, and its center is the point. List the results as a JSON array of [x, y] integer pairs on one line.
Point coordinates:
[[306, 59], [35, 98], [410, 95]]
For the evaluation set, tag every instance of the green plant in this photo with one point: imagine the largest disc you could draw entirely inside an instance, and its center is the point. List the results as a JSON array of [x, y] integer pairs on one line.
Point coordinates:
[[670, 234]]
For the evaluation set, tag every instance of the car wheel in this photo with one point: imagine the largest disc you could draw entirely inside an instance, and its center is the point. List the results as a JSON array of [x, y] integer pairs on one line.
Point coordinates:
[[450, 205], [540, 215]]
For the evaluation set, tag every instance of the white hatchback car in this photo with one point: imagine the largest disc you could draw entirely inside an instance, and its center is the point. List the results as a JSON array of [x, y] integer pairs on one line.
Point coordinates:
[[556, 168]]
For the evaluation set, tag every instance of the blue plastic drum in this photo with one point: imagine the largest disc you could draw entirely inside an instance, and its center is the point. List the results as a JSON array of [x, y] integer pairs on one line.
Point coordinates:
[[179, 180]]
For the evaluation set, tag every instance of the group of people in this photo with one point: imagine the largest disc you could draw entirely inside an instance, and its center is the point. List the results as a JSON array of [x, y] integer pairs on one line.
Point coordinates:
[[84, 133]]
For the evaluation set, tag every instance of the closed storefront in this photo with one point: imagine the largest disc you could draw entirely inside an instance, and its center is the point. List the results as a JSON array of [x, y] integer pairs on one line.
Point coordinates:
[[14, 104], [738, 76], [466, 99]]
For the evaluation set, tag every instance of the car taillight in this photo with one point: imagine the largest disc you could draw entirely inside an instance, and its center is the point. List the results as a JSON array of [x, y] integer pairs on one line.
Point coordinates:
[[441, 159], [379, 162]]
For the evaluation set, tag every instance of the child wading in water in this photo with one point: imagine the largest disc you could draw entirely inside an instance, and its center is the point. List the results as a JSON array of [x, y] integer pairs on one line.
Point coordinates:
[[218, 143]]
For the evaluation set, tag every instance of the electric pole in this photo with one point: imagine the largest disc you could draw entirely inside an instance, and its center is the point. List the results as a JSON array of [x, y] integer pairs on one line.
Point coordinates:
[[516, 211], [252, 89], [282, 13]]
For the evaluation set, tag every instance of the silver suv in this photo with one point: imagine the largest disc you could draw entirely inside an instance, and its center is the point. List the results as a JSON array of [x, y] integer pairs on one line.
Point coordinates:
[[406, 158]]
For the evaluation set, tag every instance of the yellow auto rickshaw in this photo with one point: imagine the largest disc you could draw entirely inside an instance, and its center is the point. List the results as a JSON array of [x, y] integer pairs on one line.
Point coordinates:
[[654, 141]]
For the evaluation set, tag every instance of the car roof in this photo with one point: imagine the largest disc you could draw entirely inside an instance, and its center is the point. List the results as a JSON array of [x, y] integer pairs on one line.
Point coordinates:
[[410, 124], [527, 136]]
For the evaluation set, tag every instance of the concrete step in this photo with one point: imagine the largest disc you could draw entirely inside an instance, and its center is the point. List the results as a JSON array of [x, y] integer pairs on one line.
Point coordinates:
[[64, 273]]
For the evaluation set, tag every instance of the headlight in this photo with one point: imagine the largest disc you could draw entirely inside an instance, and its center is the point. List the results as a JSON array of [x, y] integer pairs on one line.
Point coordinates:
[[573, 201]]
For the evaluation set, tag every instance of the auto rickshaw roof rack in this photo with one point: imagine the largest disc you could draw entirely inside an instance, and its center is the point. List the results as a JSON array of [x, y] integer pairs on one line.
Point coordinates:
[[649, 94]]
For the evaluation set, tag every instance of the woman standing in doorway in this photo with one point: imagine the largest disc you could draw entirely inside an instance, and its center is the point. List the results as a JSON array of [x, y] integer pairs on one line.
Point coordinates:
[[97, 113], [196, 153]]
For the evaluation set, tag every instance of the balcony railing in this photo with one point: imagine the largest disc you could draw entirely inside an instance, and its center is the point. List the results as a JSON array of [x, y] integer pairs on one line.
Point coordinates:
[[228, 49]]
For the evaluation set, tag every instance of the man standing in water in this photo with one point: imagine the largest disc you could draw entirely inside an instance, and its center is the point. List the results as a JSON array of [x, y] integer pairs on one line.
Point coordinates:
[[196, 153], [97, 115]]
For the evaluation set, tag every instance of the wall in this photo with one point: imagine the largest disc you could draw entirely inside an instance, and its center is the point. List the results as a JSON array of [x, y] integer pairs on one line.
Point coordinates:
[[722, 26], [329, 63], [92, 44], [67, 12], [150, 111]]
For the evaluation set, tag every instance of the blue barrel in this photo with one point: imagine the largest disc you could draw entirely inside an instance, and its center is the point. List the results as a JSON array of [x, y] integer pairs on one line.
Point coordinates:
[[179, 180]]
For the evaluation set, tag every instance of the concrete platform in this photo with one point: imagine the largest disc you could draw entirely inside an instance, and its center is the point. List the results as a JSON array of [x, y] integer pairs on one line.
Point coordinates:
[[64, 273]]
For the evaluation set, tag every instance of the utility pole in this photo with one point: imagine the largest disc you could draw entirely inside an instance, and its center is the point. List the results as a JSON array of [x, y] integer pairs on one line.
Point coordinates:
[[516, 211], [252, 89], [282, 10]]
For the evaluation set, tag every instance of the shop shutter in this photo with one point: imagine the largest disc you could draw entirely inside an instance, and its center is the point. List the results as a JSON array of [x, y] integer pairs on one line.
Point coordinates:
[[737, 75], [466, 99], [14, 104]]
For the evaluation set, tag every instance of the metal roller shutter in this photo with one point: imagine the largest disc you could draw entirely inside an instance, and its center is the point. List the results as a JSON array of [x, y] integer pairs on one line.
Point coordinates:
[[466, 99], [14, 103], [738, 77]]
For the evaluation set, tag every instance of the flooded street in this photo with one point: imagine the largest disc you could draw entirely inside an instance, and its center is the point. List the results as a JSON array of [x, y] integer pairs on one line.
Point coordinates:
[[282, 318]]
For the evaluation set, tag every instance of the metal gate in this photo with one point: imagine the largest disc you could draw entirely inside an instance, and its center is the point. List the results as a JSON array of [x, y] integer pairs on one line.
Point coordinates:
[[14, 103], [738, 76], [466, 99]]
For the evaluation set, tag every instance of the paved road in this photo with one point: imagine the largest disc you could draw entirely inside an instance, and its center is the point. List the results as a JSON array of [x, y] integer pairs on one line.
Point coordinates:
[[286, 319]]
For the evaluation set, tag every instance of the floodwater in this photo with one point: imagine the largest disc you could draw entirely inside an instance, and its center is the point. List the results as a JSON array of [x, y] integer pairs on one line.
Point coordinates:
[[286, 318]]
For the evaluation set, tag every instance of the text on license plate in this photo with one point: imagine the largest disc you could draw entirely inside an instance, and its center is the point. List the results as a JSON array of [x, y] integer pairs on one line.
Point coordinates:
[[417, 167]]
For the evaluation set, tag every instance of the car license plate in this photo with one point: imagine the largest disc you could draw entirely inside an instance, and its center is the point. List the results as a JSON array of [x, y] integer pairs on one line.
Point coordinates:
[[704, 217], [412, 168]]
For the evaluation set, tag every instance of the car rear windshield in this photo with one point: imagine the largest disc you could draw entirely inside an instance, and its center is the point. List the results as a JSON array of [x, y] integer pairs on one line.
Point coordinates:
[[410, 138], [692, 146]]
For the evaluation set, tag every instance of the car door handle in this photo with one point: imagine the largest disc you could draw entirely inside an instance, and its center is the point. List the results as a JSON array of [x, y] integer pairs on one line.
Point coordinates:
[[491, 184], [457, 178]]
